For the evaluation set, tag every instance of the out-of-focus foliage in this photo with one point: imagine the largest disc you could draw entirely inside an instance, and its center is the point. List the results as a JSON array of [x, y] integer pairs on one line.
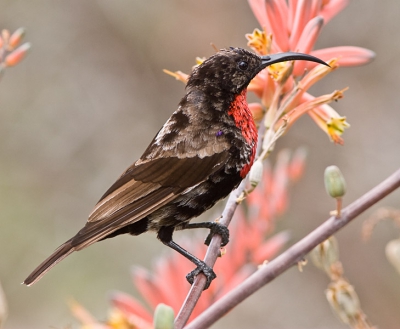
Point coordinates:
[[3, 307]]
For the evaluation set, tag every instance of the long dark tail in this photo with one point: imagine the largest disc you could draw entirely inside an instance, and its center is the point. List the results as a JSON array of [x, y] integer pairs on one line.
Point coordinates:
[[61, 252]]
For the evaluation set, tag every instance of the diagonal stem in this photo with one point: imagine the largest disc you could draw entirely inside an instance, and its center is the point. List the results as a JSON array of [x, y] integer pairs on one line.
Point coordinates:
[[294, 254], [210, 259]]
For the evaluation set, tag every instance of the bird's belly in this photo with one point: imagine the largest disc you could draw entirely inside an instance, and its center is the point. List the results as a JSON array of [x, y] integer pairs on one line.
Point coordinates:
[[194, 201]]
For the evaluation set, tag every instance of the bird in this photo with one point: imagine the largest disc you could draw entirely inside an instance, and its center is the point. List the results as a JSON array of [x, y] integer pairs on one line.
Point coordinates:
[[202, 153]]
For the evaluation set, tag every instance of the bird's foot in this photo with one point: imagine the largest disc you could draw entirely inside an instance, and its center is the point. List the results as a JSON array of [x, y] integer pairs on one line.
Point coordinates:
[[206, 270], [217, 228]]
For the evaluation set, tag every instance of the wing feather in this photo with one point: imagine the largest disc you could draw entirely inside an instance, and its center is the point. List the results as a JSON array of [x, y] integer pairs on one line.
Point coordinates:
[[97, 230], [178, 172], [127, 194], [141, 190]]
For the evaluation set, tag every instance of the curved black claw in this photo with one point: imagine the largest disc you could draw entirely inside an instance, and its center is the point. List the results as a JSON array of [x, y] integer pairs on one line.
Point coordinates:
[[222, 230], [207, 271]]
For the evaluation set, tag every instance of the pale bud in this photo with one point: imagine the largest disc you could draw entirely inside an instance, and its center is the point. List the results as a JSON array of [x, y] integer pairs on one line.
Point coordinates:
[[325, 254], [163, 317], [393, 253], [256, 172], [335, 184], [344, 301]]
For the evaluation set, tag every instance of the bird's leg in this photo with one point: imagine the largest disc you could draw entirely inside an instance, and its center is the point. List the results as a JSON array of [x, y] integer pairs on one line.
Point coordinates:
[[215, 228], [165, 236]]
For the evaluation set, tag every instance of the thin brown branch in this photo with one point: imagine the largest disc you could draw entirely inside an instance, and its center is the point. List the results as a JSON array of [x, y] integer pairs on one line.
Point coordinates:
[[210, 259], [294, 254]]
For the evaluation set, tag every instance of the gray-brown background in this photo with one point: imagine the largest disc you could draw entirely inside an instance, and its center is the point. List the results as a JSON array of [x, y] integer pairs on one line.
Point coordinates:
[[91, 95]]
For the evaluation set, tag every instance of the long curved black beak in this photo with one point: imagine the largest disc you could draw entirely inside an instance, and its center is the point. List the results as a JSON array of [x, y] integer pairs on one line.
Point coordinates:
[[288, 56]]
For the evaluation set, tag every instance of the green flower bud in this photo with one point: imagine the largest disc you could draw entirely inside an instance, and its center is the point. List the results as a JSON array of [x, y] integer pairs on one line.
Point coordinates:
[[335, 184], [163, 317], [344, 301], [325, 254]]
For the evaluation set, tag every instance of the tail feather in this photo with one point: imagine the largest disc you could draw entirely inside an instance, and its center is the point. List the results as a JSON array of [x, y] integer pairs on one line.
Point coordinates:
[[61, 252]]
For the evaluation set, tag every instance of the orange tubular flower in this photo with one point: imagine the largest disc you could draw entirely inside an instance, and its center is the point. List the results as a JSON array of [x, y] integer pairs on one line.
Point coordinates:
[[309, 103], [17, 55]]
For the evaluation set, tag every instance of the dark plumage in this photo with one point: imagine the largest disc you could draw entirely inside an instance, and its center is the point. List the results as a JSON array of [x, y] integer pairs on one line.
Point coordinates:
[[198, 157]]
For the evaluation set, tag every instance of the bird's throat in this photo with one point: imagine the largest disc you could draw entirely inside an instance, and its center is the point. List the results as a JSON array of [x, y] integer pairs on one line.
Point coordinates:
[[243, 118]]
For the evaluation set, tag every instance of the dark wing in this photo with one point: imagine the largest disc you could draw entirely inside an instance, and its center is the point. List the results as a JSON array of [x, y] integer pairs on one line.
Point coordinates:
[[142, 189]]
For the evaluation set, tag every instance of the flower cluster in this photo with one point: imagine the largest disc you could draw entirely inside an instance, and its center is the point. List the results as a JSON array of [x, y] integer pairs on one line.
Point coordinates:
[[282, 88], [10, 51]]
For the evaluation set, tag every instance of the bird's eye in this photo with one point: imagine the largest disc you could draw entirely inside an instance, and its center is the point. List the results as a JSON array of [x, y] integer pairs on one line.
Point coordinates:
[[243, 65]]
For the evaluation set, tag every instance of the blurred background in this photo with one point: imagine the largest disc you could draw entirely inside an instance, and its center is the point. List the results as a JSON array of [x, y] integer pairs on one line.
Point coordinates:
[[91, 95]]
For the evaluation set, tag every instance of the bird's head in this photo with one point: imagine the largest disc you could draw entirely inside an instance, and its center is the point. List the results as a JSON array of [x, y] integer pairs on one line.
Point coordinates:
[[231, 70]]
